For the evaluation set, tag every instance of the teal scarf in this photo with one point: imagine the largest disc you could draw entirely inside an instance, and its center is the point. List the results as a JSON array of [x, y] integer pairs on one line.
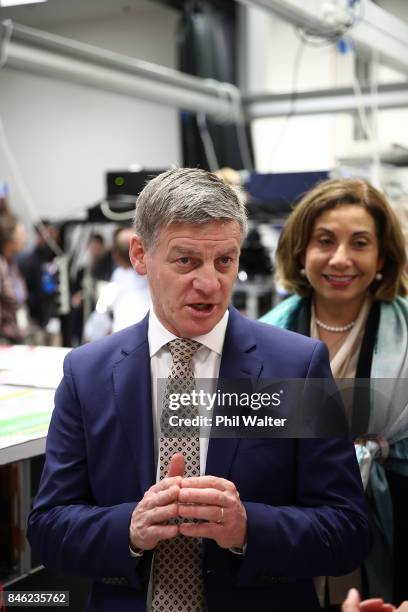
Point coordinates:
[[388, 418]]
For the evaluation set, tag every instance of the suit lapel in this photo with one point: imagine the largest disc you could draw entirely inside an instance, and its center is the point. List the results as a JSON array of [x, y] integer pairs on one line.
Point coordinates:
[[133, 399], [239, 360]]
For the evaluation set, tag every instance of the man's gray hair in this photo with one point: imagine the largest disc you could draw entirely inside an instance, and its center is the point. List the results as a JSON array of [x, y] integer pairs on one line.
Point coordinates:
[[186, 195]]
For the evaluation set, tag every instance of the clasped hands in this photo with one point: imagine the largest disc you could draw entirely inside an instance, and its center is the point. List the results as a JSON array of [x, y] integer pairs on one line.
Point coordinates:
[[210, 499]]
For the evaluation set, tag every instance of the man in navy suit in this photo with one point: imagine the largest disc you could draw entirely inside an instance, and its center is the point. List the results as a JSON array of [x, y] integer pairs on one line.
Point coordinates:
[[271, 513]]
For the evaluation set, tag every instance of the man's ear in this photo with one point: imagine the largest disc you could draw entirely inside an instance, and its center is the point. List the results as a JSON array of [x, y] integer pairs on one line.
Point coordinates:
[[137, 255]]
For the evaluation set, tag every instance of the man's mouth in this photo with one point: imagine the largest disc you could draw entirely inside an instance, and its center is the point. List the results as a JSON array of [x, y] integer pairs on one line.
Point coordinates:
[[202, 307]]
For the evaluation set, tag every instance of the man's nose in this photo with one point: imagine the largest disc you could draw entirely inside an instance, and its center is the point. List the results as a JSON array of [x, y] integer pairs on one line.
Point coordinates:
[[207, 281], [340, 256]]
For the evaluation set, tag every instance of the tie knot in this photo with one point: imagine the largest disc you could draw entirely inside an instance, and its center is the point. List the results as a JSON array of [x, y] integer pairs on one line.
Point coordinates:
[[182, 349]]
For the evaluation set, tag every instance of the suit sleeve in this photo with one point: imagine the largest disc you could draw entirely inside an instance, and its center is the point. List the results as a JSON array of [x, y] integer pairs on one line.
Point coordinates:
[[326, 531], [66, 529]]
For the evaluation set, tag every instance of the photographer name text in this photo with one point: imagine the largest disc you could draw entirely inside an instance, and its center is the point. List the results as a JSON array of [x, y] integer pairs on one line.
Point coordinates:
[[224, 421]]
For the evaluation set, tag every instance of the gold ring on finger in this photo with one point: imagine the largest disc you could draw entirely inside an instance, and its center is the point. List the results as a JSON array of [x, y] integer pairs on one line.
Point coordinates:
[[221, 519]]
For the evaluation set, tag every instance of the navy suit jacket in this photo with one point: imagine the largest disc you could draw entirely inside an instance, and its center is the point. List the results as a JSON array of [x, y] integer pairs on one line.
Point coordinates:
[[303, 497]]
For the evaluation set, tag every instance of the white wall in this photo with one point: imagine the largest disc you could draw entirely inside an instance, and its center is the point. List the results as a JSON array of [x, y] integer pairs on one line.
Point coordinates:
[[65, 137]]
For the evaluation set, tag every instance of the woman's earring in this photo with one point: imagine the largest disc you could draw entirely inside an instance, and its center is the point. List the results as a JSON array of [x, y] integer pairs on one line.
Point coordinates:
[[302, 272], [378, 276]]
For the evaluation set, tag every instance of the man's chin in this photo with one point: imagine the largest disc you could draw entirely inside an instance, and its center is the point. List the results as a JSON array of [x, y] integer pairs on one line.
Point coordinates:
[[190, 328]]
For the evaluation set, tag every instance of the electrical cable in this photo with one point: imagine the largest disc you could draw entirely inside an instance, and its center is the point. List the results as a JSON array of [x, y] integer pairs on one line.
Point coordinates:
[[370, 131], [292, 101], [376, 170], [320, 38], [116, 216], [243, 146], [24, 191], [228, 92], [242, 139], [15, 170], [207, 142], [8, 27], [28, 201], [361, 108]]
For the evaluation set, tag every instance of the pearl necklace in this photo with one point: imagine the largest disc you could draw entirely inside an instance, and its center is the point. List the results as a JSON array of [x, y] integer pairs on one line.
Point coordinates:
[[337, 329]]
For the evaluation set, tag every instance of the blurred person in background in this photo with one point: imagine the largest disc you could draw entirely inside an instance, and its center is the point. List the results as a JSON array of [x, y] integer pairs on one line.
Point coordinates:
[[132, 298], [13, 312], [4, 192], [342, 254], [38, 271], [85, 286], [99, 267], [123, 301], [101, 264]]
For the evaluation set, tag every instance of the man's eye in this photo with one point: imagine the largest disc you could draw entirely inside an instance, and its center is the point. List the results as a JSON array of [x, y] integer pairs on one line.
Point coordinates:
[[225, 260], [184, 261]]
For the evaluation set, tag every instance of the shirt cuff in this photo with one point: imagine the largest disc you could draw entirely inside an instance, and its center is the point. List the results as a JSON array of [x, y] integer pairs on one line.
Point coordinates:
[[136, 553]]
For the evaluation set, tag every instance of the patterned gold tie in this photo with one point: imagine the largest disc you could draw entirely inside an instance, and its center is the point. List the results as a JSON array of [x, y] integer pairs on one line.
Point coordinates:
[[177, 574]]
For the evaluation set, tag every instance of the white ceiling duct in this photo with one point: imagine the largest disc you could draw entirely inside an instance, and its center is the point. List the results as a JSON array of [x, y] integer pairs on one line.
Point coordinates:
[[51, 55]]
